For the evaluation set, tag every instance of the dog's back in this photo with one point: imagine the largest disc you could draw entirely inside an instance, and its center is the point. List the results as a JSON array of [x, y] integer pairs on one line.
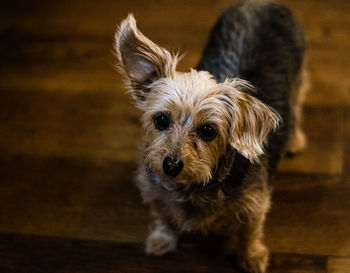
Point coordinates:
[[254, 39], [261, 42]]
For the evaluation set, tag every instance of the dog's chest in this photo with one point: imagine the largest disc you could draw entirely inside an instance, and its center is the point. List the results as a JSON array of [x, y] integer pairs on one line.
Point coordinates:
[[200, 216]]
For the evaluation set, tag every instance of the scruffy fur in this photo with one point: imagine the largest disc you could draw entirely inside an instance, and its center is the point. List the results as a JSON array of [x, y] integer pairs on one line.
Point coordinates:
[[247, 87]]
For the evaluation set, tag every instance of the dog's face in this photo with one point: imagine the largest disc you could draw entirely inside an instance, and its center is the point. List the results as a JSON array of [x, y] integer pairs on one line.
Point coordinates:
[[189, 119]]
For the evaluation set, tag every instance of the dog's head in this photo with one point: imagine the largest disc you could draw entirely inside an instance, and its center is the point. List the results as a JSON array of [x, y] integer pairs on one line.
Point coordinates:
[[189, 119]]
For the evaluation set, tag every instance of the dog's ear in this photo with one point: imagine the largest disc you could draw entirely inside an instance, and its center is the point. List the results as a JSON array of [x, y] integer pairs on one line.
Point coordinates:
[[140, 60], [251, 120]]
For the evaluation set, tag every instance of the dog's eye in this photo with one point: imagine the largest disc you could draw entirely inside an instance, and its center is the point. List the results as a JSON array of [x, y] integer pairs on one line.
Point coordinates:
[[161, 121], [207, 132]]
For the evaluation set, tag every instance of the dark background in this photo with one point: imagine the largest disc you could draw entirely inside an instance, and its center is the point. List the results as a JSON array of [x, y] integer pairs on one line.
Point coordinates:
[[69, 135]]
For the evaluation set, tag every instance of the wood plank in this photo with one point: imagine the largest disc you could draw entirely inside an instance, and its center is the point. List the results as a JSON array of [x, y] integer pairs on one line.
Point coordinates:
[[28, 254], [97, 126], [338, 265], [71, 197], [346, 147], [90, 29], [310, 214], [297, 263], [324, 152]]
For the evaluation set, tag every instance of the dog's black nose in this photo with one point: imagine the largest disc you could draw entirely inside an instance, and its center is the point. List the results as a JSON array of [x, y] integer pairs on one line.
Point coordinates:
[[172, 167]]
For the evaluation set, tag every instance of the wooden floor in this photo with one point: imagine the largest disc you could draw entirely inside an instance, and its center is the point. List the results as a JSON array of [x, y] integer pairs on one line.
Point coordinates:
[[69, 134]]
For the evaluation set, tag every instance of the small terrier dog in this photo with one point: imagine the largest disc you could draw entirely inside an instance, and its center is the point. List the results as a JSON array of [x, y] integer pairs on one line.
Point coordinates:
[[214, 135]]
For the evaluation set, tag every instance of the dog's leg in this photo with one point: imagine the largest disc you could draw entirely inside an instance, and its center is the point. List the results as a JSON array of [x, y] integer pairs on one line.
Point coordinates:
[[297, 140], [161, 239], [252, 254]]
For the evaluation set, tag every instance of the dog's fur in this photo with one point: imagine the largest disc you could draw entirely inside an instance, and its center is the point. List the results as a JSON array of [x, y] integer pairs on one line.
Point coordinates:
[[247, 86]]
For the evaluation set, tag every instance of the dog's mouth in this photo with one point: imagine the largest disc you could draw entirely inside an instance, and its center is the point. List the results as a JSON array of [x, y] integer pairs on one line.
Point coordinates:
[[175, 185], [187, 190]]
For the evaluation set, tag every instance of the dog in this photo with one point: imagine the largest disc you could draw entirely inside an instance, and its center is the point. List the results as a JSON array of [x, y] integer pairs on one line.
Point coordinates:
[[213, 136]]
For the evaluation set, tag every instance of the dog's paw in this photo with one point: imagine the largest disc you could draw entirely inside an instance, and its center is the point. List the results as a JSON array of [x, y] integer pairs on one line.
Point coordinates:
[[255, 262], [297, 142], [160, 241]]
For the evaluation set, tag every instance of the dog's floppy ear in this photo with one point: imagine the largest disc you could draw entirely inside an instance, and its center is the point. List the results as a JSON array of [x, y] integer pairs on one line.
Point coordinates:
[[251, 121], [140, 60]]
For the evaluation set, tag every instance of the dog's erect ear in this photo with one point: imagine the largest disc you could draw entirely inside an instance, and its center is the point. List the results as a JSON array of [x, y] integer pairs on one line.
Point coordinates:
[[252, 120], [140, 60]]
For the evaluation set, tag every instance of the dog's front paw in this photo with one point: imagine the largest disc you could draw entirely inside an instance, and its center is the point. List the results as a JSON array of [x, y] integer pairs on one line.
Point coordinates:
[[161, 240], [256, 261]]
